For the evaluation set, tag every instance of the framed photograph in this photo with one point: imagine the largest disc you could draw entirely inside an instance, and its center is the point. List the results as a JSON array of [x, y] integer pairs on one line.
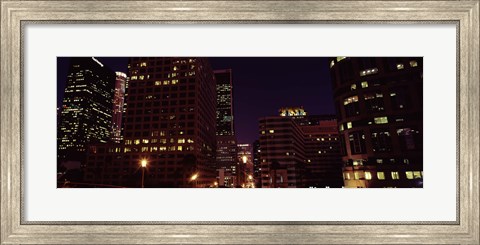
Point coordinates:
[[239, 122]]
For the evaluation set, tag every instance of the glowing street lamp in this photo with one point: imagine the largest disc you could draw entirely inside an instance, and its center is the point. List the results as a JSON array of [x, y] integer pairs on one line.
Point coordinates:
[[144, 164], [194, 178]]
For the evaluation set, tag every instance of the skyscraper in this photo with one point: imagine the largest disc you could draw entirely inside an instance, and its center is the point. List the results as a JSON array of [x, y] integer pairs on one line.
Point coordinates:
[[226, 159], [379, 103], [170, 123], [118, 106], [86, 112]]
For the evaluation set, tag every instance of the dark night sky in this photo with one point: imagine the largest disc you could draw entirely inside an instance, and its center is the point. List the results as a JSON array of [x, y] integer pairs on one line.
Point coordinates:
[[261, 85]]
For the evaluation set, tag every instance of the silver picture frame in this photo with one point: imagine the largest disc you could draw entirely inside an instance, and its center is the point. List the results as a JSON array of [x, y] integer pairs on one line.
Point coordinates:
[[16, 14]]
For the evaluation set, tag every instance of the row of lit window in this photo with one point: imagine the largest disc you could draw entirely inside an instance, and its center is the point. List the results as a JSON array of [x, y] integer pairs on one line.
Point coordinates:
[[160, 148], [381, 175], [376, 120], [154, 141]]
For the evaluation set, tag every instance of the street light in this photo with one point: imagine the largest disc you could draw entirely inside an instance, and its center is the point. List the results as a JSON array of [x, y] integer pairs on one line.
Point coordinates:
[[194, 178], [144, 164]]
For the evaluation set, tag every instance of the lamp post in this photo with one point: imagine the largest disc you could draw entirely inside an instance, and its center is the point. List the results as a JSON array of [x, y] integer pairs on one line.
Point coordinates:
[[143, 163]]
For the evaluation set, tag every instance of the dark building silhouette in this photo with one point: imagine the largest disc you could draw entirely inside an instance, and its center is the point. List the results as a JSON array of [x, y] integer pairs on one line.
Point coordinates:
[[86, 112], [226, 159], [256, 163], [170, 122], [379, 104]]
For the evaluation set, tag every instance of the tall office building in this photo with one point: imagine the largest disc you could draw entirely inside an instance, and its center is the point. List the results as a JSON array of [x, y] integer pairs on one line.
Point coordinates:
[[170, 123], [226, 159], [299, 150], [379, 103], [86, 112], [282, 153], [322, 149], [118, 106]]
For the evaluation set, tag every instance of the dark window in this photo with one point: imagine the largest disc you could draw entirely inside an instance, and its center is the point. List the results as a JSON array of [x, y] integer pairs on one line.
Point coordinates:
[[410, 139], [374, 102], [400, 98], [381, 141], [357, 142]]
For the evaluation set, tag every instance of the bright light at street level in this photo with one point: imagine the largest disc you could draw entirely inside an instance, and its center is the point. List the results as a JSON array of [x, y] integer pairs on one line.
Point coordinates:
[[194, 177], [250, 177], [144, 163]]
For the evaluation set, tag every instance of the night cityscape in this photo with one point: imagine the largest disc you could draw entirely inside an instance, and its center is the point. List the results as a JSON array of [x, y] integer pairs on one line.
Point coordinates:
[[239, 122]]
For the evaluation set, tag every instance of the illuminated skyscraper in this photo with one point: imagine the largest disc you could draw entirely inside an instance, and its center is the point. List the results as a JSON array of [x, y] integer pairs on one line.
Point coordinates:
[[169, 122], [86, 112], [226, 159], [224, 97], [118, 106], [379, 103]]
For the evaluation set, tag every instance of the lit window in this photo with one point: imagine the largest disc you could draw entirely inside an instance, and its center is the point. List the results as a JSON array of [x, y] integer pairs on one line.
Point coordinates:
[[341, 127], [395, 175], [381, 175], [143, 64], [181, 141], [271, 131], [136, 142], [180, 148], [353, 87], [356, 175], [157, 83], [368, 175], [340, 58], [141, 77], [365, 84], [332, 63], [413, 63], [357, 162], [381, 120], [417, 174], [134, 78], [409, 174], [368, 72], [346, 176], [350, 100], [349, 125], [174, 82], [399, 66]]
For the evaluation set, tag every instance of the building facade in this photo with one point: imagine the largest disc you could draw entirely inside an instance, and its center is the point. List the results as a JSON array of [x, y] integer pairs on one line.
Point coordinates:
[[282, 156], [379, 104], [302, 150], [256, 163], [118, 106], [169, 128], [86, 113]]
